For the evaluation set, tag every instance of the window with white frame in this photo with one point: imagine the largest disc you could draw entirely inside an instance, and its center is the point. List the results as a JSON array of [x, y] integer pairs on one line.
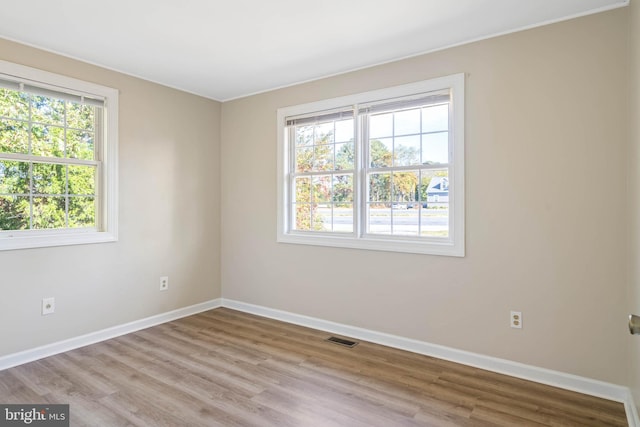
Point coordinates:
[[58, 159], [379, 170]]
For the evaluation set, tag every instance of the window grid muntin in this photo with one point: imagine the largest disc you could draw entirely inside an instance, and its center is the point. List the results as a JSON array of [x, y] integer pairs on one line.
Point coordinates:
[[65, 160], [418, 204], [361, 217], [315, 173], [391, 170]]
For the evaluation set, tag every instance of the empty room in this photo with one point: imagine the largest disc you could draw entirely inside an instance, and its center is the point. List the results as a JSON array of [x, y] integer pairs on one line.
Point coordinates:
[[361, 213]]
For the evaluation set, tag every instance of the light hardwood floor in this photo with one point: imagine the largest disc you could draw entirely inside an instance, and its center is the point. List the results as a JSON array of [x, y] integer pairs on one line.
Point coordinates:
[[227, 368]]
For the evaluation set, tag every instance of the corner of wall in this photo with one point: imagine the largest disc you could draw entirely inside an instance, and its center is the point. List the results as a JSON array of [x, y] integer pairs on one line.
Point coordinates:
[[634, 188]]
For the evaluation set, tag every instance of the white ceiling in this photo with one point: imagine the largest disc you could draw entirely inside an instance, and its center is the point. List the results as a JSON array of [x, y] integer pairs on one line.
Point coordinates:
[[229, 49]]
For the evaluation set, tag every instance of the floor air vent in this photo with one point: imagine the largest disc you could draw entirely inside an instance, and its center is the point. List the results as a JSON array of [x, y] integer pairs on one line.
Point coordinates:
[[342, 341]]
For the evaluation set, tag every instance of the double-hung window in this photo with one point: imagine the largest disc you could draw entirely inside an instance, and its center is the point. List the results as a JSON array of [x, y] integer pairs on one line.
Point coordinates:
[[380, 170], [58, 140]]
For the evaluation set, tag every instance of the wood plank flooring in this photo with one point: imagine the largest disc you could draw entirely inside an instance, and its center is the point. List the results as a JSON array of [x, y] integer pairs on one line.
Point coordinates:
[[227, 368]]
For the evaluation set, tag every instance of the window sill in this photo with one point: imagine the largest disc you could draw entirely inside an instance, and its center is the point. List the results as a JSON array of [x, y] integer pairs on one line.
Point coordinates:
[[382, 243], [27, 240]]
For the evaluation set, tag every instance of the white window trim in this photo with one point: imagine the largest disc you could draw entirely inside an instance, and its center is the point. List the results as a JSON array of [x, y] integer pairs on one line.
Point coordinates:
[[454, 246], [108, 204]]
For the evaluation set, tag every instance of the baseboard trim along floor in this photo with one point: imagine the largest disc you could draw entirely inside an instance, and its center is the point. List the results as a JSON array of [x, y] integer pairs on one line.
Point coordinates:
[[27, 356], [541, 375], [519, 370]]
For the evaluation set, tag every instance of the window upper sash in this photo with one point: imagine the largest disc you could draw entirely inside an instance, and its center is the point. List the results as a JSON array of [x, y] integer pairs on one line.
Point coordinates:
[[73, 96], [348, 112]]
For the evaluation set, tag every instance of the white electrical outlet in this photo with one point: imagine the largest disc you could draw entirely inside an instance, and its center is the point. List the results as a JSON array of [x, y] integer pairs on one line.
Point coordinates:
[[516, 319], [48, 305], [164, 283]]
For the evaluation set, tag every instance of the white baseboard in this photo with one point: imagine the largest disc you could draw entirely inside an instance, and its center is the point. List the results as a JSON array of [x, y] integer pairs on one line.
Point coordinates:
[[632, 411], [545, 376], [26, 356], [540, 375]]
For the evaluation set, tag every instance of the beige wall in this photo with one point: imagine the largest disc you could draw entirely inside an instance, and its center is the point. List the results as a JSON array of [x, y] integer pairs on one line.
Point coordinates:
[[169, 220], [634, 195], [546, 149]]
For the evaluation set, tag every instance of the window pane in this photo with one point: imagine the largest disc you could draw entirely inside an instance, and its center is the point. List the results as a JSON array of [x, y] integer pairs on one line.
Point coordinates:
[[345, 156], [316, 151], [425, 179], [434, 202], [405, 187], [304, 159], [379, 218], [82, 180], [344, 131], [48, 212], [323, 157], [381, 152], [14, 213], [317, 218], [407, 150], [302, 214], [407, 122], [435, 220], [80, 145], [303, 190], [14, 177], [47, 110], [435, 148], [381, 125], [80, 116], [82, 212], [343, 217], [343, 188], [405, 220], [322, 189], [304, 135], [47, 140], [434, 188], [13, 104], [49, 178], [324, 133], [435, 118], [322, 218], [14, 136], [380, 187]]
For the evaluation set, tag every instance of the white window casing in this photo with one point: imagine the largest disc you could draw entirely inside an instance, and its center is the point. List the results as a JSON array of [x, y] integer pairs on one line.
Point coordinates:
[[105, 161], [297, 196]]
